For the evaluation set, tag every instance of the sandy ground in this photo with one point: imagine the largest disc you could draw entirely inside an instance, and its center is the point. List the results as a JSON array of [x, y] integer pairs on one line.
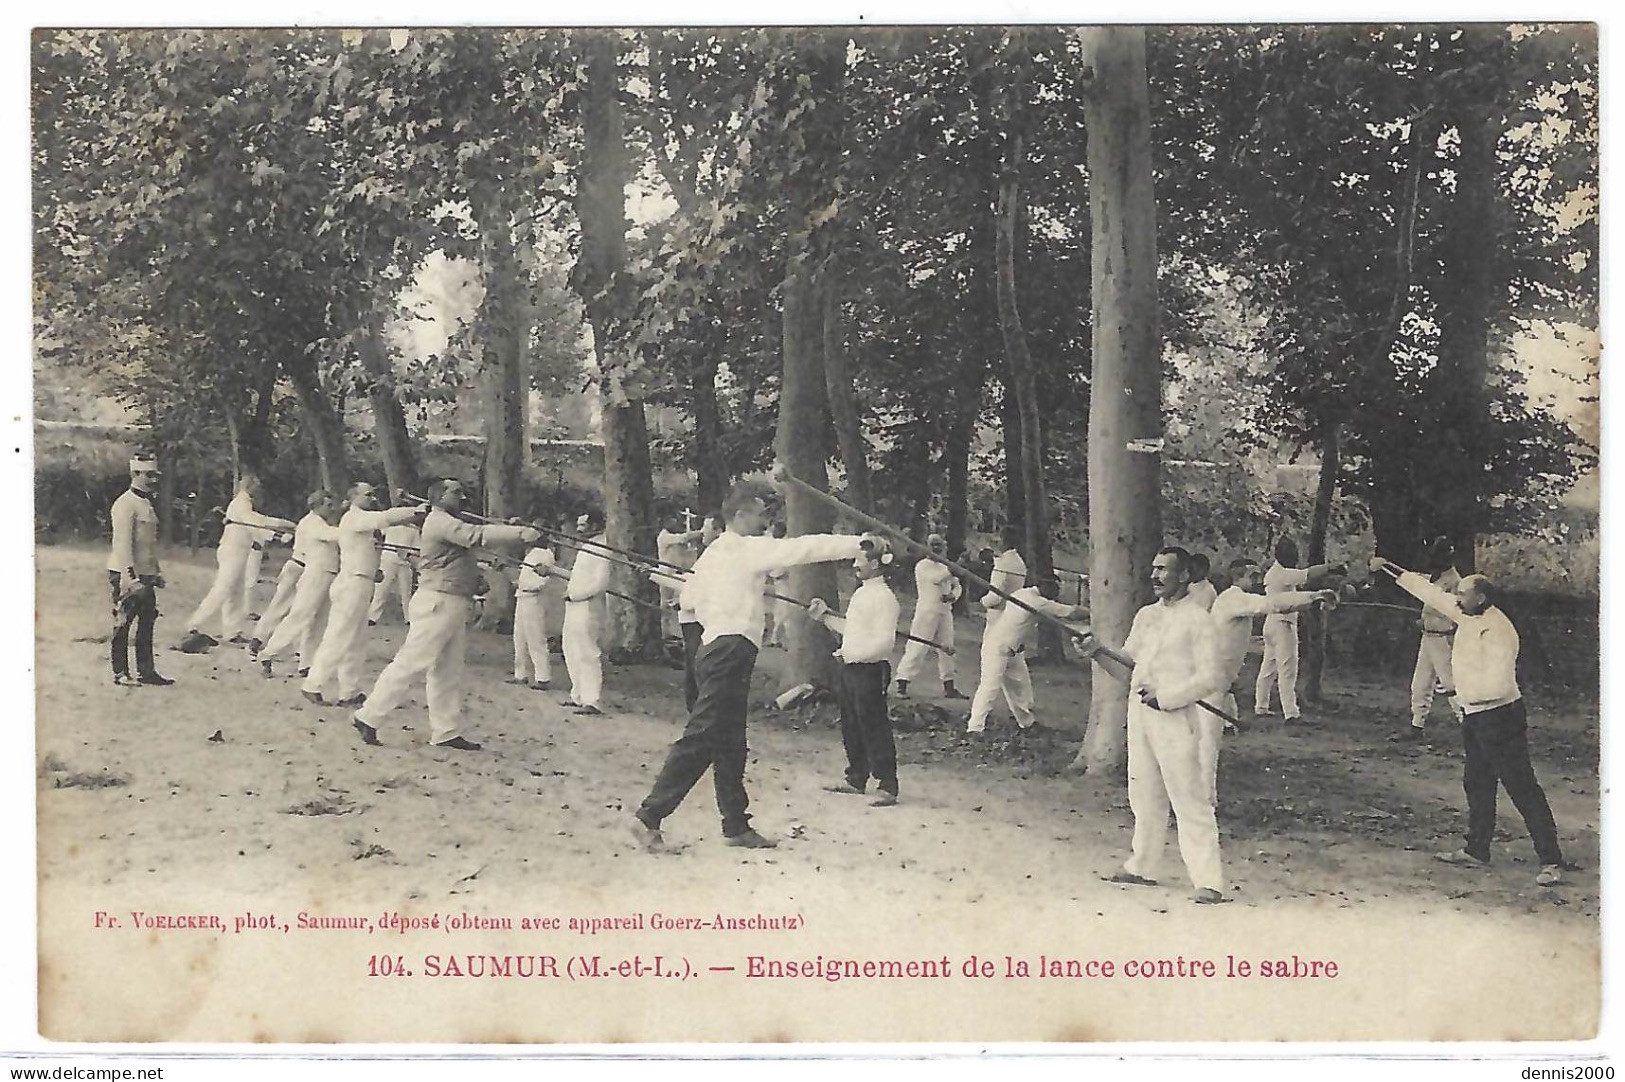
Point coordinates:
[[993, 860]]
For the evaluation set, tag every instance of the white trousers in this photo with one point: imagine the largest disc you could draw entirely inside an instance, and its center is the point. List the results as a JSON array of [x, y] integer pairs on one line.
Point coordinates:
[[1280, 664], [1165, 768], [1006, 671], [937, 624], [301, 629], [582, 659], [224, 601], [435, 645], [287, 584], [397, 582], [530, 639], [339, 659], [251, 576], [1432, 663]]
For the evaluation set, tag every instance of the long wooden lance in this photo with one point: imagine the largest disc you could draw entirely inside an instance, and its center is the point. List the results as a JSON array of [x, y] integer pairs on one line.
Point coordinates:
[[885, 529], [576, 543]]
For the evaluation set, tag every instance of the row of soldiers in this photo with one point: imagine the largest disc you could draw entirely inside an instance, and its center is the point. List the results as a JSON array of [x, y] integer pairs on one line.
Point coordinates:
[[1179, 661]]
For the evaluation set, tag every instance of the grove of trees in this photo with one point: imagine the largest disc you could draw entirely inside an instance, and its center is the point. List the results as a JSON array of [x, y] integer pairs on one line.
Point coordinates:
[[904, 261]]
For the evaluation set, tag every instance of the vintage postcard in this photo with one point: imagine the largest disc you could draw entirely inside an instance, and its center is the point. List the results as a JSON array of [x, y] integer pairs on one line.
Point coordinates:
[[884, 535]]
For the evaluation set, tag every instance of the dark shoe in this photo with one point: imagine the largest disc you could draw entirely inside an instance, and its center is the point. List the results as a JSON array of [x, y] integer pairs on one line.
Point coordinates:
[[902, 689], [951, 692], [153, 679], [265, 667], [1461, 859], [844, 787], [590, 711], [1413, 734], [372, 623], [304, 672], [883, 799], [647, 837], [369, 735], [1131, 879], [750, 840], [238, 640], [313, 696], [1550, 875], [123, 680], [1209, 896], [515, 680], [568, 702], [254, 647], [354, 700], [460, 744], [539, 685]]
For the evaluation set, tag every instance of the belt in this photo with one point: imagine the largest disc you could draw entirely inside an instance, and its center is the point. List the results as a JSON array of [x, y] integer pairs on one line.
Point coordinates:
[[1442, 634], [296, 560], [527, 593]]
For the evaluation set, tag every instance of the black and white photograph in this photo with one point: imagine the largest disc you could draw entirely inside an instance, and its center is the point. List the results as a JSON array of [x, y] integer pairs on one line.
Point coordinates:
[[922, 535]]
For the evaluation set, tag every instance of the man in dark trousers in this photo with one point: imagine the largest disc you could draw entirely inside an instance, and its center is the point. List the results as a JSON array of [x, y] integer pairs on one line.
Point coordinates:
[[1495, 725], [134, 575], [868, 631], [726, 585]]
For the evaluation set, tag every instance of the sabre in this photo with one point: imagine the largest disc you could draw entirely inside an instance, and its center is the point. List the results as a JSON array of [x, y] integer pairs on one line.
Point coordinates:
[[782, 473]]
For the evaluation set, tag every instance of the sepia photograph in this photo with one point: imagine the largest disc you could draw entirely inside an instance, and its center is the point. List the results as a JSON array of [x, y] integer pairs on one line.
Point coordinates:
[[877, 534]]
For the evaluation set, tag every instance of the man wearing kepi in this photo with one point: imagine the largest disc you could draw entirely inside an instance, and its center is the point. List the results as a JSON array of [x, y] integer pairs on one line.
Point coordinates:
[[1175, 662], [225, 599], [437, 638], [726, 587], [340, 657], [1495, 724], [935, 590], [134, 575], [867, 632]]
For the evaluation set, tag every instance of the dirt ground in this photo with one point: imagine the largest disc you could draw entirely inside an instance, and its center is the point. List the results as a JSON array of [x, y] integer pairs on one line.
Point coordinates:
[[1328, 832]]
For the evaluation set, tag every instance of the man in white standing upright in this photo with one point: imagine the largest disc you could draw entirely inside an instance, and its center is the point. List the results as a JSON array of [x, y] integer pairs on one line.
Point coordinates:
[[1174, 663], [936, 588], [398, 562], [224, 601], [1433, 652], [531, 664], [437, 634], [287, 580], [1009, 573], [1004, 649], [317, 537], [340, 658], [1280, 664], [1233, 612], [583, 659], [134, 575]]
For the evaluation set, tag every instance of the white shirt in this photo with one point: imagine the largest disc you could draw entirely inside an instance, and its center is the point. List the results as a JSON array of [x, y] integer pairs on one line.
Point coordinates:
[[726, 586], [1175, 654], [1204, 593], [533, 574], [935, 587], [1279, 579], [1009, 575], [1432, 619], [1010, 625], [320, 544], [672, 547], [1232, 615], [241, 520], [1484, 659], [358, 551], [869, 629], [589, 576]]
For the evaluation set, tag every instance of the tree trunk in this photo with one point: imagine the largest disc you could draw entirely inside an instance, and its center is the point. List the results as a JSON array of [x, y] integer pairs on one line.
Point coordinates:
[[1125, 396], [710, 460], [1472, 277], [388, 417], [633, 631], [1314, 622], [504, 316], [802, 442], [843, 395], [1015, 493], [323, 421]]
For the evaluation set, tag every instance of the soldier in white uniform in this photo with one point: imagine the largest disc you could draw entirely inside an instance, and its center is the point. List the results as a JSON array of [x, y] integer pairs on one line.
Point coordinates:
[[583, 660], [339, 659], [224, 601], [531, 664], [1009, 574], [1280, 662], [437, 637], [134, 576], [398, 562], [936, 588], [317, 537], [1004, 646], [287, 580], [1175, 662], [1433, 652]]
